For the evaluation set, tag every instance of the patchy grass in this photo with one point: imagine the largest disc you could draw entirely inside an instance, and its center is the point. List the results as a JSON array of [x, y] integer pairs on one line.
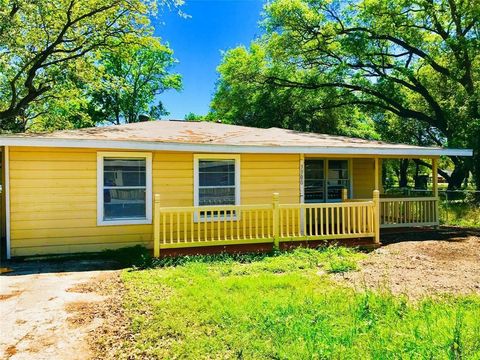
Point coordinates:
[[279, 307], [460, 214]]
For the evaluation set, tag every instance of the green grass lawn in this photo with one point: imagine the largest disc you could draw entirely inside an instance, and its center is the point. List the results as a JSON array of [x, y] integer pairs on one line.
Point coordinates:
[[286, 306]]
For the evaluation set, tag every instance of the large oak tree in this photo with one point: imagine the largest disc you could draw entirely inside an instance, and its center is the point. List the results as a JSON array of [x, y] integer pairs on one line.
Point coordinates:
[[48, 49], [417, 60]]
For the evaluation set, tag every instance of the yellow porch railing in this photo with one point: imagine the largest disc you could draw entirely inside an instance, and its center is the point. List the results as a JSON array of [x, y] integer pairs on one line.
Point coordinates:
[[403, 212], [327, 221], [181, 227]]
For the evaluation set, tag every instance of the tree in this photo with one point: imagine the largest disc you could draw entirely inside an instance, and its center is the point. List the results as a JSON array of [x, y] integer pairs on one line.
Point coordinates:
[[47, 45], [242, 99], [415, 59], [131, 79]]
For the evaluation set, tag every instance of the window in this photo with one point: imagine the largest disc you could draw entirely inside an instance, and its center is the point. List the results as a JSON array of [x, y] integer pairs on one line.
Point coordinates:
[[325, 179], [314, 181], [337, 178], [124, 188], [217, 180]]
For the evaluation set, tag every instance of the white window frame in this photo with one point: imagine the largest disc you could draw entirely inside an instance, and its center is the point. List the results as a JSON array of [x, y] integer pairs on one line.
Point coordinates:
[[196, 180], [325, 185], [148, 188]]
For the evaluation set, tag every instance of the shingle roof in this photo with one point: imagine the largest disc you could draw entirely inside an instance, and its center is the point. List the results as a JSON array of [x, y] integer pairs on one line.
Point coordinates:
[[210, 133]]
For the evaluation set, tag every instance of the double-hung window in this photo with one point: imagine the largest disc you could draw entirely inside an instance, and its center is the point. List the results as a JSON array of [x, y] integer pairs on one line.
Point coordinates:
[[325, 179], [124, 188], [217, 180]]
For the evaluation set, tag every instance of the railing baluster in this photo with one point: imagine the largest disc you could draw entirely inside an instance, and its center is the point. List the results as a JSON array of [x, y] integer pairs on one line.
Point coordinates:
[[349, 225], [321, 211], [240, 218], [178, 226], [164, 228], [338, 220]]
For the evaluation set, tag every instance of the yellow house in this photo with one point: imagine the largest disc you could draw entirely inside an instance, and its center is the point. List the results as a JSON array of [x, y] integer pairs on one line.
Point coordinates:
[[179, 184]]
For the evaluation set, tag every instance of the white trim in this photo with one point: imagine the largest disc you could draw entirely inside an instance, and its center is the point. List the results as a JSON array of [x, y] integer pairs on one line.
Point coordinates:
[[196, 182], [6, 169], [228, 149], [148, 188]]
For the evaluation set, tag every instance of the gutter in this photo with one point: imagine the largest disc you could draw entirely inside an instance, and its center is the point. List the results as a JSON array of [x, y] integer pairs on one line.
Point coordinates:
[[216, 148]]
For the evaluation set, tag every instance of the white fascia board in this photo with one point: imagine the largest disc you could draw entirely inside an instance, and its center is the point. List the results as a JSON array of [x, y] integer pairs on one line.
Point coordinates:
[[214, 148]]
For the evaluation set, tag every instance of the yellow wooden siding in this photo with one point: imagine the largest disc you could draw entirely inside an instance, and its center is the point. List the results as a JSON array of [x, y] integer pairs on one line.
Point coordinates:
[[53, 196], [264, 174], [364, 177], [53, 204]]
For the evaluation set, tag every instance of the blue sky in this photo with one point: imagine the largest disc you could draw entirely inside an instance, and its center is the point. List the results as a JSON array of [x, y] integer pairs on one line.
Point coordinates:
[[197, 42]]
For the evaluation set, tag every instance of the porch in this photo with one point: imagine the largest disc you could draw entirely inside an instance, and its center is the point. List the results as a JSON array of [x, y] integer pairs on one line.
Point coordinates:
[[340, 218], [277, 223]]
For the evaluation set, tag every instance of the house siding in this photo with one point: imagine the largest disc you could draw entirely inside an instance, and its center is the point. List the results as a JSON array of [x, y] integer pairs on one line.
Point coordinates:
[[53, 196], [363, 177]]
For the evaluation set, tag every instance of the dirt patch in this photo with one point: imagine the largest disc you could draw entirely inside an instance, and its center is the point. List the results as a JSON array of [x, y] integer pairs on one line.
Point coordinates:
[[11, 350], [8, 296], [107, 339], [82, 312], [419, 268]]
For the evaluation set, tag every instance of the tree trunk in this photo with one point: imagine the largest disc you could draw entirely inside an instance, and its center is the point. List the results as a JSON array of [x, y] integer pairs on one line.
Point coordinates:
[[459, 174], [476, 164], [403, 178]]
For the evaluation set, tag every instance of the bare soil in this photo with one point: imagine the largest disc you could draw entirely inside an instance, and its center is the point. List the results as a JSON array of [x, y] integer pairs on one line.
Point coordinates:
[[424, 265]]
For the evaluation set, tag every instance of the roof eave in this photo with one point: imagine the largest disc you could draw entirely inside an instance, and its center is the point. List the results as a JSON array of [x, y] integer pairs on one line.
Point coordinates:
[[218, 148]]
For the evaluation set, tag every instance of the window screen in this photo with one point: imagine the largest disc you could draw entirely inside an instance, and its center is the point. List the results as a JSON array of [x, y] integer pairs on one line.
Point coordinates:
[[314, 181], [216, 182], [124, 189], [338, 178]]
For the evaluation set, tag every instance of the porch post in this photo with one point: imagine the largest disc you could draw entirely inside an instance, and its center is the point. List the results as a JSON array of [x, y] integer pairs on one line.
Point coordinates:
[[435, 186], [156, 226], [302, 193], [376, 217], [377, 177]]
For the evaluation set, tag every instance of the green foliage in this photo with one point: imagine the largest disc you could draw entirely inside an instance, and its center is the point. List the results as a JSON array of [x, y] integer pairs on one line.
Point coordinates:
[[50, 53], [131, 78], [465, 214], [195, 117], [280, 307], [402, 63], [135, 256], [243, 100]]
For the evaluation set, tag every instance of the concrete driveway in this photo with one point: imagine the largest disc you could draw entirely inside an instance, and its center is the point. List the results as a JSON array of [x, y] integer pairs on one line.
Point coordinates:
[[36, 302]]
